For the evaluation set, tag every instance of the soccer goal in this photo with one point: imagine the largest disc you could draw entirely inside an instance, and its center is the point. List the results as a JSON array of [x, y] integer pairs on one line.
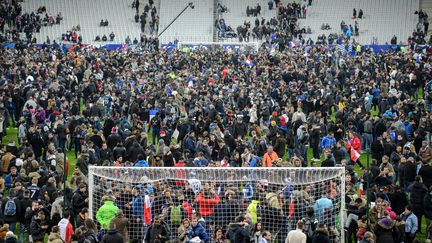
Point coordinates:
[[272, 199], [220, 45]]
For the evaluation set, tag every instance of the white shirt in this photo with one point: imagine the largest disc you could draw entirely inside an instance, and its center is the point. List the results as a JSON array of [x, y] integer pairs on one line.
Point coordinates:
[[296, 236]]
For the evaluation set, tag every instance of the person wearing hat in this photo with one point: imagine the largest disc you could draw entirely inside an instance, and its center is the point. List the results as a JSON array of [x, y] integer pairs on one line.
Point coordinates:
[[106, 212]]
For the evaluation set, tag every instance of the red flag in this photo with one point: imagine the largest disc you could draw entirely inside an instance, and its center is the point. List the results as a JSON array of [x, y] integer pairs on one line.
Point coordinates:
[[291, 208], [147, 210], [354, 155]]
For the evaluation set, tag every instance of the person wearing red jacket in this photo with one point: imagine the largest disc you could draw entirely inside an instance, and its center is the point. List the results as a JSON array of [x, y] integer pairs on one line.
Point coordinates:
[[206, 201], [353, 146]]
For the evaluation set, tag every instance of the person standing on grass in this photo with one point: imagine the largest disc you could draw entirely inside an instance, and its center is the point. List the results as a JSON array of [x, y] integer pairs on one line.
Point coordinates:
[[353, 146], [411, 224], [66, 228], [270, 157]]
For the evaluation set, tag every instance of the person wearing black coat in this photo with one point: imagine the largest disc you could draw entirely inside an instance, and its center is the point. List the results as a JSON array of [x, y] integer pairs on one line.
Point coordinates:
[[279, 145], [409, 172], [377, 149], [80, 199], [384, 231], [240, 128], [135, 150], [12, 218], [426, 174], [398, 200], [112, 235], [158, 231], [321, 234], [38, 227], [418, 192], [427, 202], [237, 232]]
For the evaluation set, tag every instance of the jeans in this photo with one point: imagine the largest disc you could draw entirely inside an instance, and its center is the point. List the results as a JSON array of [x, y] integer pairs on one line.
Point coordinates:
[[315, 151], [350, 218], [304, 151], [367, 140]]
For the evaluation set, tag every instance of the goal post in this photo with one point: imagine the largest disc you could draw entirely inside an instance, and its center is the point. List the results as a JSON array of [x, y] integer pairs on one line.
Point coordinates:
[[275, 198], [219, 45]]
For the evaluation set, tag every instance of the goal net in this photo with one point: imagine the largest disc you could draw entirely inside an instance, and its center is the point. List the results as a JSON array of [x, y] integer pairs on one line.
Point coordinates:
[[248, 46], [191, 202]]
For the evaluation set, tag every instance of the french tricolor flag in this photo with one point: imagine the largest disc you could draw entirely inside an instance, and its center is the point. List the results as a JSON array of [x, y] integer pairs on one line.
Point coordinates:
[[249, 62], [360, 192], [147, 210], [292, 44], [354, 155]]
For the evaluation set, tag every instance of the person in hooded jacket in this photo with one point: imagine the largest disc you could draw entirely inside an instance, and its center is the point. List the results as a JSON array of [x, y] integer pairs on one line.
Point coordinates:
[[321, 234], [428, 211], [112, 235], [238, 232], [385, 229], [418, 192], [54, 236], [158, 231], [197, 230]]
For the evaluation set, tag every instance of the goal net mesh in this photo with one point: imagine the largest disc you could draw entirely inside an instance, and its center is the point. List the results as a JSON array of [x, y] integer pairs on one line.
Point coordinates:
[[227, 46], [271, 199]]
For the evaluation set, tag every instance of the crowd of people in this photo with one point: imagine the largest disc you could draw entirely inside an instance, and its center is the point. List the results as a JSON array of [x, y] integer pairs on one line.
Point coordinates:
[[149, 11], [290, 107], [223, 112], [14, 21], [284, 27]]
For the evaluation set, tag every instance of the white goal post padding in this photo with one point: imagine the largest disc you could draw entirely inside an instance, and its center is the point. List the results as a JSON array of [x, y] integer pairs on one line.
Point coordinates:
[[225, 45], [275, 197]]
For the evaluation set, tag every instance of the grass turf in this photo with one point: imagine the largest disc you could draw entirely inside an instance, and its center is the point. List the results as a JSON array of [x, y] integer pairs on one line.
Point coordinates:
[[12, 134]]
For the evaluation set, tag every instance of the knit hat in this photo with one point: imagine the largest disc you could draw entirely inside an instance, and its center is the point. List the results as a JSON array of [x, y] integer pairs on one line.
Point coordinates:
[[392, 215]]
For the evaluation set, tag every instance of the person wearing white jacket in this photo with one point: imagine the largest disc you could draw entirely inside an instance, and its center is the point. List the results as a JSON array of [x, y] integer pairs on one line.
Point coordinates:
[[297, 235], [253, 114]]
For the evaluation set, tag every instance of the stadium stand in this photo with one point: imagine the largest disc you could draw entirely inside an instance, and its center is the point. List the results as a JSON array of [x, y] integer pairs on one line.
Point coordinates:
[[382, 18], [195, 25], [88, 15]]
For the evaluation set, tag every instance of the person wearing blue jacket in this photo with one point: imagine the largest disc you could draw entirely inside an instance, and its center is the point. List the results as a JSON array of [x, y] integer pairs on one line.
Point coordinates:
[[141, 162], [200, 160], [411, 224], [197, 230], [254, 161], [328, 141], [137, 213], [189, 142]]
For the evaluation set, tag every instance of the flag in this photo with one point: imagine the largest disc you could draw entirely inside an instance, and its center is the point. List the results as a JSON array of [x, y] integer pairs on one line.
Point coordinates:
[[291, 208], [147, 210], [340, 47], [191, 82], [249, 62], [152, 113], [360, 192], [124, 47], [354, 155], [292, 44]]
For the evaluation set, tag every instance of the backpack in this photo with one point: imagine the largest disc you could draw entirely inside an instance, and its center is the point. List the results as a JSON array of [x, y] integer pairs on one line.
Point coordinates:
[[10, 207], [176, 215]]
